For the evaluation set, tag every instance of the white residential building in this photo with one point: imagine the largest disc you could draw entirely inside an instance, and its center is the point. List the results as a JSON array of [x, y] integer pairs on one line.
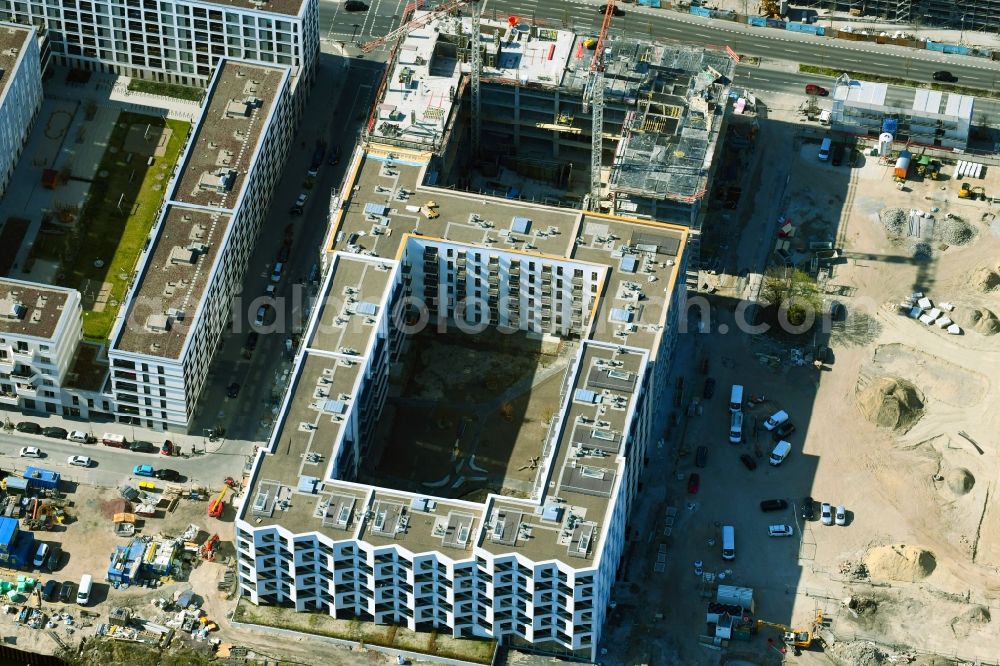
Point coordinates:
[[40, 352], [20, 94], [538, 568], [189, 275], [178, 41]]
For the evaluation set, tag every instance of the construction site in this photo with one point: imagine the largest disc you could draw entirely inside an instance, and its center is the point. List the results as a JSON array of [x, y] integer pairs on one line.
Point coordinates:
[[602, 122]]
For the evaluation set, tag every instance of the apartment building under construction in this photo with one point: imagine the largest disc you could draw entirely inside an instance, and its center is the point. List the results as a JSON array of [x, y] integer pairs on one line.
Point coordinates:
[[664, 111]]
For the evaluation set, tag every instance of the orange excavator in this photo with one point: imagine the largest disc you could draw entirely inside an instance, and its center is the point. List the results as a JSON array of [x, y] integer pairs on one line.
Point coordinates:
[[217, 505]]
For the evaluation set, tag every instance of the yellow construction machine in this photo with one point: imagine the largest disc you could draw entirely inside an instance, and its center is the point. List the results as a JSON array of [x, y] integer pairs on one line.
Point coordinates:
[[800, 638], [769, 9]]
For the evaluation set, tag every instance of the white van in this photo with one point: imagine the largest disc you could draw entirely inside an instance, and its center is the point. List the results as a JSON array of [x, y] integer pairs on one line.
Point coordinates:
[[736, 427], [780, 452], [824, 117], [824, 149], [80, 436], [736, 398], [83, 594], [728, 542], [776, 420]]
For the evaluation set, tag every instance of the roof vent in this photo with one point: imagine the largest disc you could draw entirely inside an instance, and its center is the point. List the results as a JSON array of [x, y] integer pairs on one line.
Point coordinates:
[[158, 323]]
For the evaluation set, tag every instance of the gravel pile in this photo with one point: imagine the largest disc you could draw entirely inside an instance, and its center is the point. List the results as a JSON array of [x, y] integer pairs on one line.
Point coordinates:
[[922, 250], [955, 231], [894, 220], [857, 653]]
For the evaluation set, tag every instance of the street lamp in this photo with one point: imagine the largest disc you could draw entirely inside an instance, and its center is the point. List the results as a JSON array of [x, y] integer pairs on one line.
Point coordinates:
[[961, 34]]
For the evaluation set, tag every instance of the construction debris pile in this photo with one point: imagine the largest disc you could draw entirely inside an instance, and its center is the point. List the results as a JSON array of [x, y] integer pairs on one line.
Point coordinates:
[[954, 230], [899, 562], [894, 220]]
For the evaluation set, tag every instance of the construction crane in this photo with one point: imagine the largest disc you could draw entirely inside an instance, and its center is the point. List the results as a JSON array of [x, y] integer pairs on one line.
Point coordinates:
[[477, 69], [419, 22], [593, 98]]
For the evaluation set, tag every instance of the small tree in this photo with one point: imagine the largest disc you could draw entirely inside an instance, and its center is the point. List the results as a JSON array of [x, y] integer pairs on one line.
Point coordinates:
[[793, 289]]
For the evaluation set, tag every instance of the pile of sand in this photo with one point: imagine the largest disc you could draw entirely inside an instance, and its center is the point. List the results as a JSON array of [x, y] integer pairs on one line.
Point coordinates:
[[891, 403], [981, 320], [985, 279], [960, 480], [900, 562]]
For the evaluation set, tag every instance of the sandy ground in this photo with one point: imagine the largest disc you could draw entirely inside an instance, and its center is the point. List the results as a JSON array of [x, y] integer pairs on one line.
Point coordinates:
[[925, 493]]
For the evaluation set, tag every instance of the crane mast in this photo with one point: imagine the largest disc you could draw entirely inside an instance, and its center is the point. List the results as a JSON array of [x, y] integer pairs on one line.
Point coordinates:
[[593, 97]]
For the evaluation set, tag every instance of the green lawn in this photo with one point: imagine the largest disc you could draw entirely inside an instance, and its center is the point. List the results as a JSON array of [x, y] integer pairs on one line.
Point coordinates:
[[120, 210], [167, 89], [477, 650]]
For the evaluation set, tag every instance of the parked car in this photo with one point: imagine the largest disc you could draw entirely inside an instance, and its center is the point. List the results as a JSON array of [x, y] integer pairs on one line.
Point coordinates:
[[748, 461], [808, 509], [167, 474], [779, 530], [946, 76], [167, 449], [701, 456], [813, 89], [824, 355], [143, 470], [252, 340], [776, 420], [299, 205], [616, 11], [55, 555], [50, 591], [783, 430], [355, 6], [826, 514], [709, 389], [694, 482], [233, 390], [837, 311], [840, 516], [773, 505], [837, 154], [55, 432], [41, 555], [29, 427], [80, 461], [262, 313], [142, 447], [81, 437], [334, 156], [67, 592], [31, 452]]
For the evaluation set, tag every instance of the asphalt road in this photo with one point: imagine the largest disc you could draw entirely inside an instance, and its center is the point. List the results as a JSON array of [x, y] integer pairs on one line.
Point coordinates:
[[338, 25], [665, 25], [113, 466], [793, 83]]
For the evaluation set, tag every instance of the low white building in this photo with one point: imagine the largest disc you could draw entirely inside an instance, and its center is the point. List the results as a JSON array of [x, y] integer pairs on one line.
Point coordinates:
[[175, 313], [924, 117], [20, 94]]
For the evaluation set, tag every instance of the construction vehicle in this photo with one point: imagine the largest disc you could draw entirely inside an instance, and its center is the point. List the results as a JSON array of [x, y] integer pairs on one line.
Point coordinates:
[[979, 192], [216, 506], [769, 9], [208, 550], [798, 638], [965, 192]]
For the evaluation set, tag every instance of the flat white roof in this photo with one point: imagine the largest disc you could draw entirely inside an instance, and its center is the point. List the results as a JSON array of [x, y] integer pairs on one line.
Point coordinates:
[[864, 92]]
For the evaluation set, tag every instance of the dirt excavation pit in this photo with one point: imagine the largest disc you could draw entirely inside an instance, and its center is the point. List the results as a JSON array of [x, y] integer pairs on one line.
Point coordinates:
[[960, 481], [900, 563], [938, 378], [980, 320], [891, 403]]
